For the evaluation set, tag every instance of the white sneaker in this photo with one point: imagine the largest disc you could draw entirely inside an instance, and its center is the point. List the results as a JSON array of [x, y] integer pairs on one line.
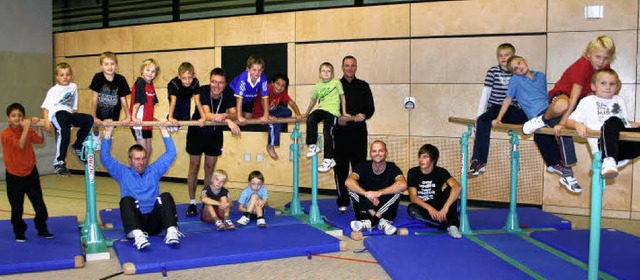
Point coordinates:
[[261, 223], [140, 239], [243, 221], [571, 184], [454, 232], [360, 225], [313, 150], [532, 125], [609, 169], [342, 209], [97, 142], [326, 165], [173, 236], [387, 227], [623, 163]]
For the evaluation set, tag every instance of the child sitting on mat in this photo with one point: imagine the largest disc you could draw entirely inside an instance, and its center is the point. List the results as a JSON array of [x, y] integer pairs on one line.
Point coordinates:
[[216, 202], [253, 200]]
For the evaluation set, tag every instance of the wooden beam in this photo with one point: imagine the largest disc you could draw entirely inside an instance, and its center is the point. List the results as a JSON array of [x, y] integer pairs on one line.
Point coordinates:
[[196, 123]]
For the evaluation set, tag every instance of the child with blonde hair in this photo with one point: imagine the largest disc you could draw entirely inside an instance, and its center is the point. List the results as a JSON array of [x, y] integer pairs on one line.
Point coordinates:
[[216, 202], [143, 96]]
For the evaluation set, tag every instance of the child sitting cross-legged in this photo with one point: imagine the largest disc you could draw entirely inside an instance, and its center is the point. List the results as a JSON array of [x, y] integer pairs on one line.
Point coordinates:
[[216, 202]]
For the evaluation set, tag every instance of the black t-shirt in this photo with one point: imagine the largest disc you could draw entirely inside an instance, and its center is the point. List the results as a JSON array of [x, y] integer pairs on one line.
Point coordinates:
[[216, 106], [109, 93], [208, 192], [373, 182], [183, 97], [428, 186]]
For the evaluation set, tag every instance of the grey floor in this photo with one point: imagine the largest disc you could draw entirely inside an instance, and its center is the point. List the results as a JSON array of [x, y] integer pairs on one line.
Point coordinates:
[[66, 196]]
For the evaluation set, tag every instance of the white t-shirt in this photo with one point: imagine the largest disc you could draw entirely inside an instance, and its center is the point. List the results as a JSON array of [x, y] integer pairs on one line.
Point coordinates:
[[61, 98], [593, 111]]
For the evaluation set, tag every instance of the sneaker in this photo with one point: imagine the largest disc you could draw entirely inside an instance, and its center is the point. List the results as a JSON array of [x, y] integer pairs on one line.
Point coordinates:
[[609, 168], [476, 168], [557, 168], [46, 235], [20, 237], [192, 210], [342, 209], [173, 236], [532, 125], [571, 184], [313, 150], [360, 225], [454, 232], [229, 224], [623, 163], [261, 223], [97, 142], [220, 225], [140, 239], [326, 165], [80, 156], [243, 221], [386, 226], [61, 169]]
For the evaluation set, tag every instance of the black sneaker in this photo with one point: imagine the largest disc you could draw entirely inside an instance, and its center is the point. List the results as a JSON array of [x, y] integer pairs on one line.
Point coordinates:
[[61, 169], [192, 211], [20, 237], [79, 155], [46, 235]]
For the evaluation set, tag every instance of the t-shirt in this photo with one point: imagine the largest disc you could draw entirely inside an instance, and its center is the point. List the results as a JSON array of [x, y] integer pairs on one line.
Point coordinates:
[[580, 72], [210, 193], [183, 97], [593, 111], [370, 181], [498, 80], [61, 98], [328, 96], [246, 194], [146, 101], [531, 93], [19, 162], [109, 93], [428, 186], [242, 87], [216, 106], [275, 100]]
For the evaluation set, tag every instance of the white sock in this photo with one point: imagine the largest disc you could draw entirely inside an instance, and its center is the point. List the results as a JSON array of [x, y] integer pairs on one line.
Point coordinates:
[[193, 201]]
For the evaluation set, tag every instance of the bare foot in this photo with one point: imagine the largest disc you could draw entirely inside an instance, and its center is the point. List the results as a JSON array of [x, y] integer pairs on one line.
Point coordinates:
[[272, 152]]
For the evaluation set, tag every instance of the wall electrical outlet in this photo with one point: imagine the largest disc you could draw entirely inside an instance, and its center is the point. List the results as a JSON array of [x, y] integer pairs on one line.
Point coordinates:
[[247, 157], [260, 157]]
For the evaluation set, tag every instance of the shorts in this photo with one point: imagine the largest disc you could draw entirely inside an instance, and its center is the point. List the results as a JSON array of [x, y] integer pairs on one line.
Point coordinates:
[[204, 140], [553, 98], [210, 220], [247, 107], [139, 134]]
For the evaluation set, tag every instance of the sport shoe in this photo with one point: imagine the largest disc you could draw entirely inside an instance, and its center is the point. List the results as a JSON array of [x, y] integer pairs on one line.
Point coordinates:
[[261, 223], [532, 125], [609, 168], [476, 168], [97, 142], [173, 236], [571, 184], [623, 163], [454, 232], [229, 224], [386, 226], [20, 237], [61, 169], [360, 225], [342, 209], [80, 156], [220, 225], [243, 221], [140, 239], [557, 168], [46, 235], [313, 150], [192, 210], [326, 165]]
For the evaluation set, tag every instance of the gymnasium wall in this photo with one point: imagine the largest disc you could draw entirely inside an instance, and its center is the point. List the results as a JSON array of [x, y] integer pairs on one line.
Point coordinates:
[[436, 52]]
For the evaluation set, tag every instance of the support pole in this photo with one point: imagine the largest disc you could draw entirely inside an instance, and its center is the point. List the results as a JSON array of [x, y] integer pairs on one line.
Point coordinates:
[[512, 224], [597, 187], [314, 211], [465, 228], [94, 244], [295, 209]]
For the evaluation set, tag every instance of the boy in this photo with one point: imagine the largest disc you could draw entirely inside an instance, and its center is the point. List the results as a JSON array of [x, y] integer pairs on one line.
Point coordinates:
[[494, 91], [253, 200], [21, 172], [606, 111], [530, 89], [216, 202], [110, 90], [58, 111], [247, 86], [181, 90]]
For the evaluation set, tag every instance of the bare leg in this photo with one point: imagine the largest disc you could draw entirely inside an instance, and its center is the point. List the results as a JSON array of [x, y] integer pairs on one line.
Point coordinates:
[[209, 167], [192, 176], [557, 108]]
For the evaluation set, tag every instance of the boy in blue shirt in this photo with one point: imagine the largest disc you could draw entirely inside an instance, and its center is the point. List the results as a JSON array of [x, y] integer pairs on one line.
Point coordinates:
[[253, 200], [249, 85]]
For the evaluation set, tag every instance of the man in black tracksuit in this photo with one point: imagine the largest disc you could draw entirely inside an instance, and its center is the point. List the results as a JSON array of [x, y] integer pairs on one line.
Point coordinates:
[[351, 140]]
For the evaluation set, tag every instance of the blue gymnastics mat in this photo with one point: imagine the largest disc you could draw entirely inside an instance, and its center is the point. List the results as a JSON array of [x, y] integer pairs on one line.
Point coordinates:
[[619, 251], [226, 247], [438, 256], [110, 217], [485, 219], [39, 254]]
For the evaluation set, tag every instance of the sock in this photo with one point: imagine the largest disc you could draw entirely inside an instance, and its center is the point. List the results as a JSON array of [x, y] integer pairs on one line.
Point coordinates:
[[193, 201], [246, 214], [567, 171], [260, 217]]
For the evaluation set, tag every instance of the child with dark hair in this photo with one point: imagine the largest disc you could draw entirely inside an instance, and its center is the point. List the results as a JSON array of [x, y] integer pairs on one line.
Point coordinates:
[[253, 200]]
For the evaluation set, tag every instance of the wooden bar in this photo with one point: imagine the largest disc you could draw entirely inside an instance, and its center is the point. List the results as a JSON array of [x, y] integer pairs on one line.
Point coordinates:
[[197, 123]]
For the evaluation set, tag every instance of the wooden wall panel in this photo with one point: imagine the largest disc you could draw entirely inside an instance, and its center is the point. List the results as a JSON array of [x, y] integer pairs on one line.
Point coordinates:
[[97, 41], [478, 17], [202, 60], [435, 103], [390, 117], [387, 21], [83, 69], [264, 29], [58, 44], [177, 35], [568, 15]]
